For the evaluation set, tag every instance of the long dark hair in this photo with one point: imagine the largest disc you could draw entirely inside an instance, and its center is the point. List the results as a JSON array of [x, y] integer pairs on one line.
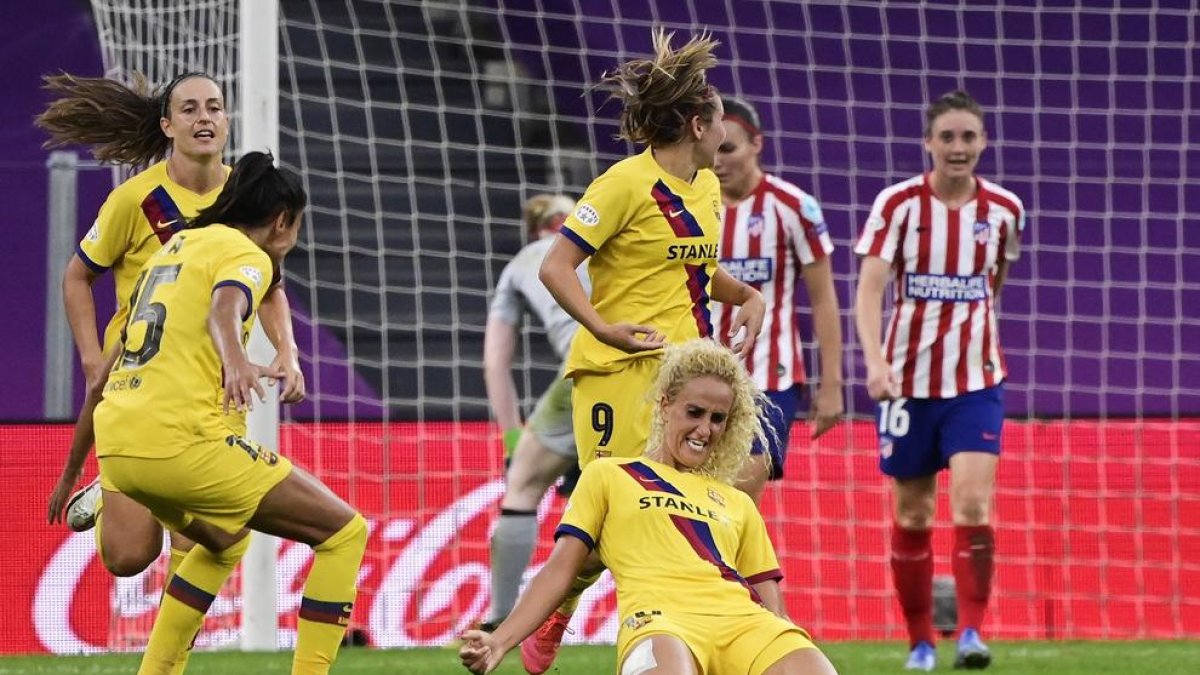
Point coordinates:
[[254, 195], [119, 121]]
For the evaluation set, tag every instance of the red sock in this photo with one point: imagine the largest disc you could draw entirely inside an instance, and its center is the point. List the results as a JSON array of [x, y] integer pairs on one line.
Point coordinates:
[[974, 549], [912, 573]]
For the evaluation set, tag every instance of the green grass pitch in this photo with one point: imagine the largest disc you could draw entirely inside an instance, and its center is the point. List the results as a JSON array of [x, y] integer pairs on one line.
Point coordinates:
[[851, 658]]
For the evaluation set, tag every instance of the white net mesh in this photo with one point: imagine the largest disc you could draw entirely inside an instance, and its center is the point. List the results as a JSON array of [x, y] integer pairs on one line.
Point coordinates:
[[420, 127]]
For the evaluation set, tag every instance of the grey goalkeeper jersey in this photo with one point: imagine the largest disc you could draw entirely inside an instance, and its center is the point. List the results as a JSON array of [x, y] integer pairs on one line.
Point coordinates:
[[519, 290]]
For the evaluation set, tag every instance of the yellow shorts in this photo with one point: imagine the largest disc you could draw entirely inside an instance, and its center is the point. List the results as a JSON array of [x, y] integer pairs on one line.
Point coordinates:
[[220, 481], [611, 411], [721, 644]]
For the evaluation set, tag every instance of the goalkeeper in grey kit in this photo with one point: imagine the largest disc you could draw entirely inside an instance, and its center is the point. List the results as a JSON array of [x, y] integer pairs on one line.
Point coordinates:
[[544, 448]]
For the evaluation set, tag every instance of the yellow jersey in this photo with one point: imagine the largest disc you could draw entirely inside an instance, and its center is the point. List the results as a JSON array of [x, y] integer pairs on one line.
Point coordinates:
[[165, 390], [138, 217], [653, 241], [679, 542]]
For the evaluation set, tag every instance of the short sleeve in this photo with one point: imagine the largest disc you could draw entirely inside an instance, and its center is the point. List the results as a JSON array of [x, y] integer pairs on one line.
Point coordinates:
[[110, 235], [880, 235], [249, 269], [756, 560], [585, 513], [600, 214], [810, 236], [506, 304], [1012, 243]]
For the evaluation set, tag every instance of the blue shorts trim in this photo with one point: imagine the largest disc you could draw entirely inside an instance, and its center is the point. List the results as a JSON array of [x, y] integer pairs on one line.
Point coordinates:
[[917, 437], [781, 418]]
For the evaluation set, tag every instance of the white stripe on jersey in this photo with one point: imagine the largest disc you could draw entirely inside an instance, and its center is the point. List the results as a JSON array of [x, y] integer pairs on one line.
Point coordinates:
[[942, 339], [762, 238]]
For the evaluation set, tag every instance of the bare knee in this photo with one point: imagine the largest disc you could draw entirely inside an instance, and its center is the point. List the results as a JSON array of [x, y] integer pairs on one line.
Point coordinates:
[[915, 504], [972, 509], [128, 558]]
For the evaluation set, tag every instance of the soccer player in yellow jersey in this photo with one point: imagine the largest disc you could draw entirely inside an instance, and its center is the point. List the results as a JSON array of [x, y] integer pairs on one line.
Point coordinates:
[[697, 578], [649, 228], [184, 122], [169, 425]]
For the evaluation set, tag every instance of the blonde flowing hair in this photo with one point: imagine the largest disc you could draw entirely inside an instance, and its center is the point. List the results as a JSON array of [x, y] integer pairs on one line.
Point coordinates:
[[747, 421], [541, 210], [662, 93]]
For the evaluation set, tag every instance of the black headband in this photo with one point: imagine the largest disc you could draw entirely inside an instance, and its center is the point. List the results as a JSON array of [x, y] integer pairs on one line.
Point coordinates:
[[165, 97]]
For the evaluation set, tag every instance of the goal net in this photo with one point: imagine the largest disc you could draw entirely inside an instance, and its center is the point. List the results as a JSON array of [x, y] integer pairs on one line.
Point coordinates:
[[420, 127]]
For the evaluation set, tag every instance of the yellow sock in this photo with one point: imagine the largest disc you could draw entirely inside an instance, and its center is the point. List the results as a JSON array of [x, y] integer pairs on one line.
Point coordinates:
[[176, 559], [581, 584], [185, 600], [329, 598]]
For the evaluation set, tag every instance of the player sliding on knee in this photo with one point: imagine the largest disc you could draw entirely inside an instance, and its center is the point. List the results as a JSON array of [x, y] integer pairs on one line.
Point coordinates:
[[697, 578]]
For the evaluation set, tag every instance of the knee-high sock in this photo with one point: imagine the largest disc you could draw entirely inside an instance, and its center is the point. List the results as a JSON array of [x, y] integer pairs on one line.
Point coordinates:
[[185, 600], [512, 547], [176, 559], [329, 598], [974, 551], [912, 573]]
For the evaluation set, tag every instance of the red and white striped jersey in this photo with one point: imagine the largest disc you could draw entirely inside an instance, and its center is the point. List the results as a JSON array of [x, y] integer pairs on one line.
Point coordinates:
[[941, 339], [765, 239]]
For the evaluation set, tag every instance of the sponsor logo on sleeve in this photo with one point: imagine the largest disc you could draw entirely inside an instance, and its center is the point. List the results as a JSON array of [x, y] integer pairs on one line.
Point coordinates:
[[876, 223], [812, 211], [588, 215], [253, 274], [93, 233]]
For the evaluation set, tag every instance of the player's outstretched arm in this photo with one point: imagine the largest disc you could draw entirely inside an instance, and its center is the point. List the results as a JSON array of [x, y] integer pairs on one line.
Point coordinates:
[[752, 309], [276, 316], [229, 305], [80, 307], [483, 652], [873, 275], [499, 343], [82, 439], [828, 404]]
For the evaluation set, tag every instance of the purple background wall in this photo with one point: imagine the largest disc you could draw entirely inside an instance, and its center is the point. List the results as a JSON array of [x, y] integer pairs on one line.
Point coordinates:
[[1092, 122], [1091, 115]]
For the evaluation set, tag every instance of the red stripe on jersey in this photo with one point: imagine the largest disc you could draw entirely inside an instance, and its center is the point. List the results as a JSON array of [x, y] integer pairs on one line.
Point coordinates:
[[946, 313], [780, 306], [924, 235], [728, 228], [754, 250], [889, 210], [961, 376]]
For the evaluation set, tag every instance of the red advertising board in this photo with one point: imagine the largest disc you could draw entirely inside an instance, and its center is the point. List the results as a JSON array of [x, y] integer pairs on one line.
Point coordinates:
[[1098, 536]]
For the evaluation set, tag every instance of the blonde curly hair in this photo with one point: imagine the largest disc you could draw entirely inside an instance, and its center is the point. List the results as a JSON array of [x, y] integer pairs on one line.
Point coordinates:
[[747, 421]]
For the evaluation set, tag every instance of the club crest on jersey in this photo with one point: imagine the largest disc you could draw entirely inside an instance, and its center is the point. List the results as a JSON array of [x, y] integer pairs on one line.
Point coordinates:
[[638, 619], [755, 225], [588, 215], [983, 232], [252, 274], [716, 496]]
